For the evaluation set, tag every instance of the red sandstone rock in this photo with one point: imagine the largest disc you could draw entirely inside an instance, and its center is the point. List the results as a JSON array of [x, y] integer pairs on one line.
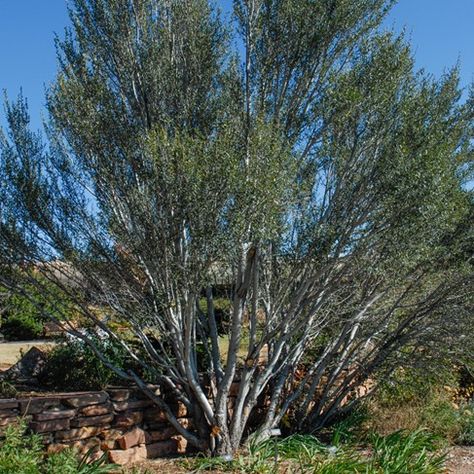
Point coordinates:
[[96, 455], [132, 438], [161, 448], [108, 444], [181, 444], [92, 420], [51, 425], [80, 433], [132, 455], [96, 410], [111, 434], [56, 448], [85, 445], [127, 419]]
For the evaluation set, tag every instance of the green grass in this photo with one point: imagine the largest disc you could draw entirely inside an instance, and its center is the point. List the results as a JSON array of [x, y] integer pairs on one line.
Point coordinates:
[[22, 453], [405, 452], [399, 453]]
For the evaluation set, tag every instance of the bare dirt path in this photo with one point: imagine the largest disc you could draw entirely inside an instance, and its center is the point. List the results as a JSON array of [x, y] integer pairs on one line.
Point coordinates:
[[10, 351], [460, 460]]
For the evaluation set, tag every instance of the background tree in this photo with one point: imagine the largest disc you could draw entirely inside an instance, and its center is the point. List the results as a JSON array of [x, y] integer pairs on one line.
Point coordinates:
[[312, 169]]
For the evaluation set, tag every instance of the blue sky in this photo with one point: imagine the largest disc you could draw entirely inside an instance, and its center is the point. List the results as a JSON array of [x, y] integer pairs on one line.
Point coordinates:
[[441, 32]]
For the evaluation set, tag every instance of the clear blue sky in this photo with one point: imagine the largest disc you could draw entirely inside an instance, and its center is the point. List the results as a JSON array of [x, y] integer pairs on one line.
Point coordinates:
[[441, 32]]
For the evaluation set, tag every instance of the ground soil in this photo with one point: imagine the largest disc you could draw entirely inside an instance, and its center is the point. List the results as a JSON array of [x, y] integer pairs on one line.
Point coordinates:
[[178, 466], [10, 351], [460, 460]]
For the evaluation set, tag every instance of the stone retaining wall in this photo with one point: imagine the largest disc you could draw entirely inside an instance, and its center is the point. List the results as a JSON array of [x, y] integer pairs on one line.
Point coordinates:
[[118, 421]]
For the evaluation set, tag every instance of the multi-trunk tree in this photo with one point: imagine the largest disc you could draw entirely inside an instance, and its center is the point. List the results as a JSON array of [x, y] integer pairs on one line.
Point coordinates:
[[289, 152]]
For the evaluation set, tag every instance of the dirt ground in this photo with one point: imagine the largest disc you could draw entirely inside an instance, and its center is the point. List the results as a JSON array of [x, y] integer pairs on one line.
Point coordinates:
[[460, 460], [176, 466], [10, 351]]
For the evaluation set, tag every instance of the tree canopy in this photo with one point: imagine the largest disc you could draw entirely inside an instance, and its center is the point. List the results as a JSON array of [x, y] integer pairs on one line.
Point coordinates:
[[291, 153]]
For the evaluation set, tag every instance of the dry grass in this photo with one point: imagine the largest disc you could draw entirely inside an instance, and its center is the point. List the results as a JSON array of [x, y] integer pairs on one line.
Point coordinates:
[[384, 420]]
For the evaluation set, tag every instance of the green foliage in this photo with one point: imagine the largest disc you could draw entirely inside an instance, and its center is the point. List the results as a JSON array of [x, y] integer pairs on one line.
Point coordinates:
[[7, 390], [466, 435], [25, 314], [222, 311], [418, 401], [68, 462], [23, 453], [318, 174], [74, 366], [350, 427], [20, 453], [407, 453], [22, 326], [410, 384], [398, 453]]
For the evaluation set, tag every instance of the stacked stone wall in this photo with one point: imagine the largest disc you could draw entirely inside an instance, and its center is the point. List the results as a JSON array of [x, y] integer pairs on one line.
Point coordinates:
[[118, 421]]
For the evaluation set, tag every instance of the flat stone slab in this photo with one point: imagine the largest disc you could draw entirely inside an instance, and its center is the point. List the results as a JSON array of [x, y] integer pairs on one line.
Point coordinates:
[[92, 420], [8, 421], [162, 434], [6, 403], [55, 414], [96, 410], [134, 437], [85, 399], [49, 426], [8, 413], [128, 456], [80, 433], [34, 405]]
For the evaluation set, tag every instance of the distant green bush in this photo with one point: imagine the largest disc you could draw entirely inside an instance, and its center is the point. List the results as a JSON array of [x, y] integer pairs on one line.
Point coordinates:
[[24, 317], [222, 311], [440, 405], [74, 366], [22, 326]]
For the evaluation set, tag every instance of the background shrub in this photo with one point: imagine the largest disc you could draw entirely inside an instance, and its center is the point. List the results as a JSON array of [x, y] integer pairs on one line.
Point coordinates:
[[442, 405], [73, 366], [23, 318], [22, 326]]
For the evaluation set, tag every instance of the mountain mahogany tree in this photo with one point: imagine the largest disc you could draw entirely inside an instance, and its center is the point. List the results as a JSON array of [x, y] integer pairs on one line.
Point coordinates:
[[289, 153]]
